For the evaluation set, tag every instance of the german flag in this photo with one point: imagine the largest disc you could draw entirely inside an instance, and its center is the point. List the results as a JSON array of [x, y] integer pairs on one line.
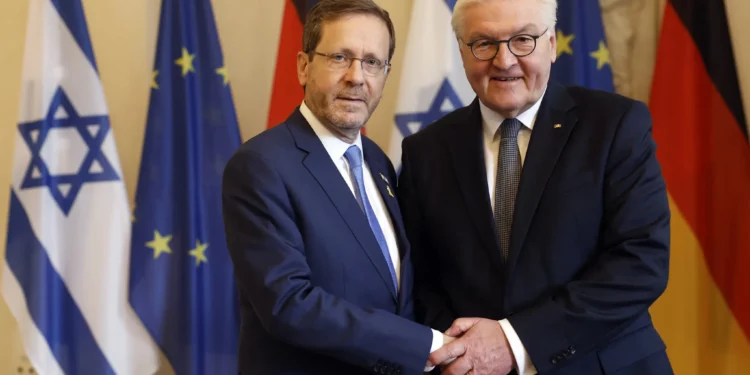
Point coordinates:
[[287, 93], [701, 132]]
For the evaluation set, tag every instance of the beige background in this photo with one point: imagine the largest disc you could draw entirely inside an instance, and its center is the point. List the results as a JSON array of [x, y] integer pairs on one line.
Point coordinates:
[[123, 34]]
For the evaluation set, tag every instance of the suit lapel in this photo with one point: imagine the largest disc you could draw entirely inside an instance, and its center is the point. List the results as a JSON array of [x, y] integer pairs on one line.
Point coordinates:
[[380, 174], [555, 121], [322, 168], [467, 152]]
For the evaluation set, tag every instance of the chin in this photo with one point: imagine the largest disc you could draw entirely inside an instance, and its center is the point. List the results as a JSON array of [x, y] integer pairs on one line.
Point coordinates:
[[350, 121], [503, 105]]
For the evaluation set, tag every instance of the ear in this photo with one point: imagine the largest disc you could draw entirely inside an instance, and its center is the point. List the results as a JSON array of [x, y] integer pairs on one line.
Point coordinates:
[[553, 45], [303, 66]]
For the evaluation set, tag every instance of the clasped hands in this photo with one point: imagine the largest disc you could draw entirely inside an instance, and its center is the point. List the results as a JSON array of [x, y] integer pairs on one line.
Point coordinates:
[[474, 346]]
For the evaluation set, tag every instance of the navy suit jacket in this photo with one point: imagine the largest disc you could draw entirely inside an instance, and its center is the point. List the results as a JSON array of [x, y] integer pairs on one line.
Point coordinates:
[[589, 246], [315, 290]]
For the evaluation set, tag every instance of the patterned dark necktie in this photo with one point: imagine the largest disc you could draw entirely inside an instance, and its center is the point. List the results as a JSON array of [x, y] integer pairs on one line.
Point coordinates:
[[506, 182]]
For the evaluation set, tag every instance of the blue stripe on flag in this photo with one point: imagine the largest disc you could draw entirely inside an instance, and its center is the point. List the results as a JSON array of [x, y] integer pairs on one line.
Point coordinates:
[[71, 12], [451, 4], [50, 304]]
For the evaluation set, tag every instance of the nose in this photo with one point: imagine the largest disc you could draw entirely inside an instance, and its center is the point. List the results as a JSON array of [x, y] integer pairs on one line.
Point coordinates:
[[354, 74], [504, 59]]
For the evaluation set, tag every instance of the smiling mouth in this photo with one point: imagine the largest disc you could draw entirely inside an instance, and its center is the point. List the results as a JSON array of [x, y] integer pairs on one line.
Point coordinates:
[[506, 79]]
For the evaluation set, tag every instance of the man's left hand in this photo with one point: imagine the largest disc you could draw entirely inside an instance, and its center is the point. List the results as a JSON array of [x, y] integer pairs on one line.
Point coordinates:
[[481, 349]]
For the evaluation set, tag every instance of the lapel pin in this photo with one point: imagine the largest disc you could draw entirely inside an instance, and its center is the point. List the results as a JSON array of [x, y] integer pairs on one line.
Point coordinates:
[[384, 179], [557, 126], [390, 192]]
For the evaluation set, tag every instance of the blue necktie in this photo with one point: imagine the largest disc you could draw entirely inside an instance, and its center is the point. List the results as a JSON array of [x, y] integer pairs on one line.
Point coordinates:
[[354, 156]]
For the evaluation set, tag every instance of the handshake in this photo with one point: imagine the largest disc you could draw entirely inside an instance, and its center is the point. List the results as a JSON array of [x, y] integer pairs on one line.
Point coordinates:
[[473, 346]]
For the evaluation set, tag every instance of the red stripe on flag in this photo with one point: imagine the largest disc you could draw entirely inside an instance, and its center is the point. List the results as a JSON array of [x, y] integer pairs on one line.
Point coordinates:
[[706, 161], [287, 93]]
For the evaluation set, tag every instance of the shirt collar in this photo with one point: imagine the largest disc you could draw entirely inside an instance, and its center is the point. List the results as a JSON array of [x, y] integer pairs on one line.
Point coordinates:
[[491, 120], [335, 147]]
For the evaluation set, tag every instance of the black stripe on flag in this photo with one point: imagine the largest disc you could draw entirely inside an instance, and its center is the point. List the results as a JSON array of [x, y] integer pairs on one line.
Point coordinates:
[[706, 21]]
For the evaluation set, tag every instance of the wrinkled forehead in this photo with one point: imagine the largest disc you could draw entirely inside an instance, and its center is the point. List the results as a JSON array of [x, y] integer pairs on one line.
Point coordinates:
[[499, 19], [359, 35]]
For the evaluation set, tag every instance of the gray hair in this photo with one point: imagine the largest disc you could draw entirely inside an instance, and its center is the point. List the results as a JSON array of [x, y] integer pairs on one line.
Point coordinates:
[[550, 16]]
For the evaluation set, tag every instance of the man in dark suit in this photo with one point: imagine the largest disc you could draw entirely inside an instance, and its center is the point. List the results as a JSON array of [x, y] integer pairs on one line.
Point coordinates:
[[537, 215], [313, 226]]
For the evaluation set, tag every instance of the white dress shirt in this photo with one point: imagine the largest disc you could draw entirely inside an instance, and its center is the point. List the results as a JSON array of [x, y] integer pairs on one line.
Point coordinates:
[[336, 148], [491, 121]]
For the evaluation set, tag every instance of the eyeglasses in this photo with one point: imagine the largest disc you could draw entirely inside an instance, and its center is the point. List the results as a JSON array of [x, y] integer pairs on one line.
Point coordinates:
[[340, 61], [520, 45]]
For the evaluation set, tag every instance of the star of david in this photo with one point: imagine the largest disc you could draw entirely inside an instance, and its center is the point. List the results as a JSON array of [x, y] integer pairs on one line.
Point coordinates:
[[95, 167], [446, 101]]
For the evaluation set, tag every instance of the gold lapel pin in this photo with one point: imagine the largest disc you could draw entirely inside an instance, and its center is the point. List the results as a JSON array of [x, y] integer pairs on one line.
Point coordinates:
[[390, 192], [557, 126]]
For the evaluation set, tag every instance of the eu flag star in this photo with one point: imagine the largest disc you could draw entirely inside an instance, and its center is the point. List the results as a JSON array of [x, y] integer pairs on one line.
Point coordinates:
[[154, 84], [445, 102], [601, 55], [563, 43], [160, 244], [224, 73], [186, 62], [66, 151], [199, 253]]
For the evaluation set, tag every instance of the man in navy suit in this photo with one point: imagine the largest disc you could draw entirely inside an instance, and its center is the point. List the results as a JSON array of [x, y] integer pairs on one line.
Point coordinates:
[[537, 215], [321, 258]]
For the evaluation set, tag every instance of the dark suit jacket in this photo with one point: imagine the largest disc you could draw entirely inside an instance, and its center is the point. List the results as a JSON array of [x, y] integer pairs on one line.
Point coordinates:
[[590, 238], [315, 291]]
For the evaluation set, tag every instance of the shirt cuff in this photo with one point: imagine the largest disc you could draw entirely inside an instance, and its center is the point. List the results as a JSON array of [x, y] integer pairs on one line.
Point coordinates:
[[523, 361], [437, 343]]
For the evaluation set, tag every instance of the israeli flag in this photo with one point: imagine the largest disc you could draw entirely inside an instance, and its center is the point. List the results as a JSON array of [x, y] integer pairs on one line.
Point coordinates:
[[433, 83], [65, 272]]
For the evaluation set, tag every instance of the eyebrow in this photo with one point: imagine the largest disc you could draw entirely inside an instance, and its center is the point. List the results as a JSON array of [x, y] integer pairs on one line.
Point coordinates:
[[526, 29]]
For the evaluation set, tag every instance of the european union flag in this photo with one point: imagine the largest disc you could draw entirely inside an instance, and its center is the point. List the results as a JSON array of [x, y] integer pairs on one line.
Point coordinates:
[[582, 54], [181, 276]]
